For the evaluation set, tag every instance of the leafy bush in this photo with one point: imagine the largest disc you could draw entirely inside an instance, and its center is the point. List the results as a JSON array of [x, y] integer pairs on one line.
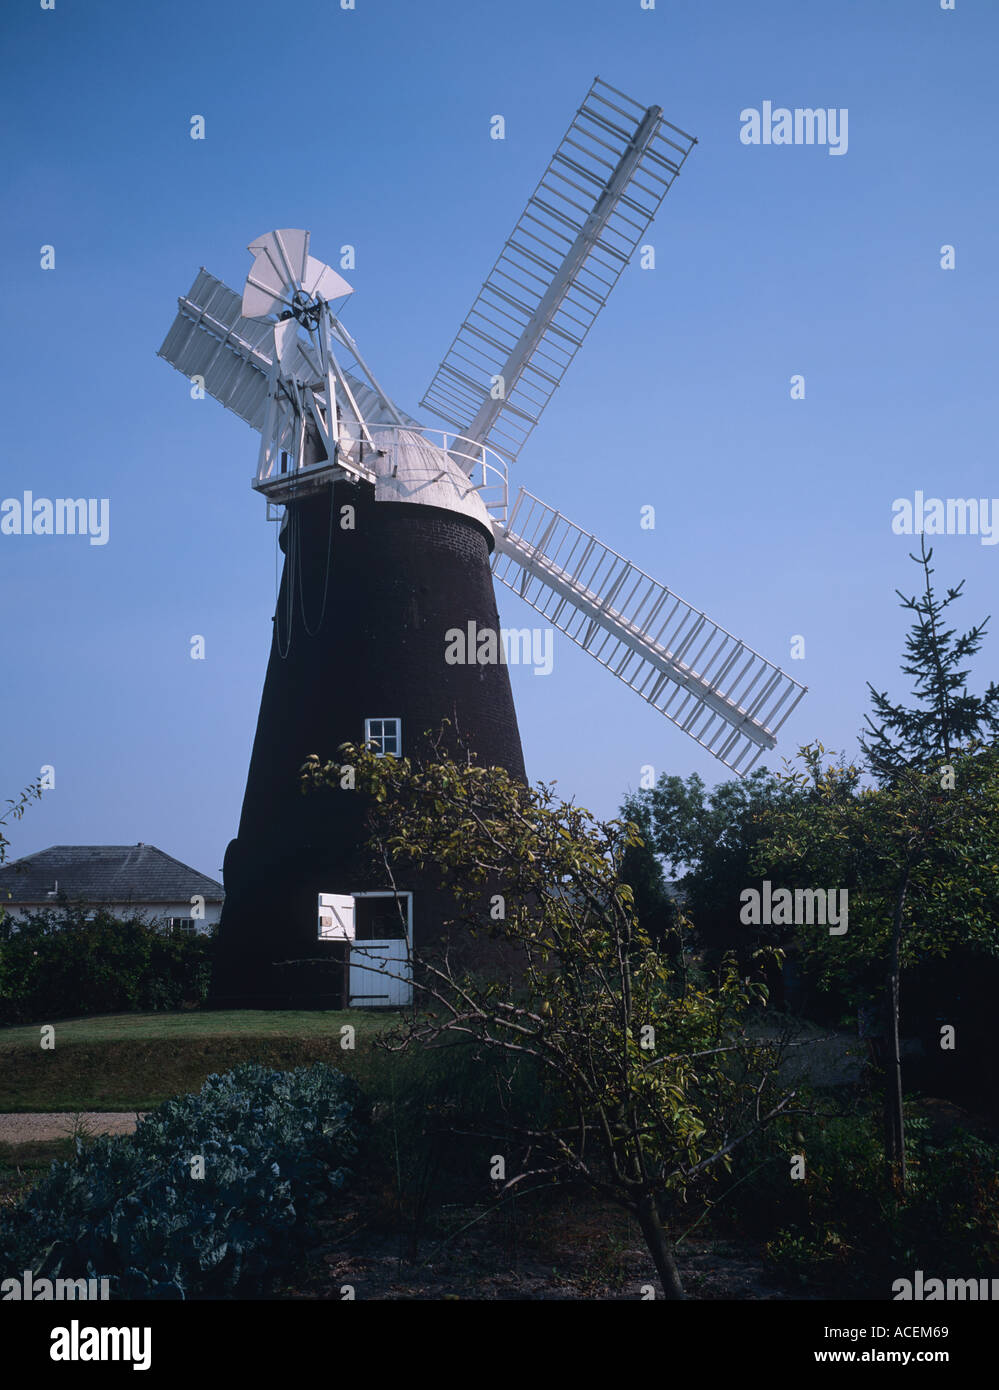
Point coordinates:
[[839, 1230], [70, 962], [440, 1115], [276, 1145], [951, 1224]]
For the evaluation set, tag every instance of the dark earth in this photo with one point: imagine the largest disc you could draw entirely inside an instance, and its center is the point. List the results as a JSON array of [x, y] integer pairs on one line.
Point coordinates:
[[577, 1250]]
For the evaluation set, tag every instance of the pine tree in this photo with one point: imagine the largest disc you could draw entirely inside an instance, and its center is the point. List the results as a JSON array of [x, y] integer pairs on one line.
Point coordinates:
[[948, 717], [905, 745]]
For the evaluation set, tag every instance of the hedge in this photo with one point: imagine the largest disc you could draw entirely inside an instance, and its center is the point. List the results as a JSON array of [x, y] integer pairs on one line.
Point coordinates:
[[70, 962]]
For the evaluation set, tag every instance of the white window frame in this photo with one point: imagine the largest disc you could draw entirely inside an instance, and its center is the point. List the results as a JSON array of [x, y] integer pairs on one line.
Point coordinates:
[[378, 740]]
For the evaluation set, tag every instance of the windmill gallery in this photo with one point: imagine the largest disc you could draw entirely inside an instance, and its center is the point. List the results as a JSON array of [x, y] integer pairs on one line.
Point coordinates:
[[307, 922]]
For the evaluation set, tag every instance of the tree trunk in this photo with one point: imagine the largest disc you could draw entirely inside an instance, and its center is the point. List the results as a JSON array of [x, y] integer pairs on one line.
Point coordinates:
[[659, 1247], [894, 1118], [895, 1165]]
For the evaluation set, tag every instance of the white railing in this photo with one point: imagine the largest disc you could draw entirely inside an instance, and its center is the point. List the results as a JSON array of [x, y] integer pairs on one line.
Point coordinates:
[[487, 470], [357, 452]]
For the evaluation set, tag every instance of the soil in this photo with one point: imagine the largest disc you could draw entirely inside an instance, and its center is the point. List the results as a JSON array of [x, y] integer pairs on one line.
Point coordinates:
[[576, 1250]]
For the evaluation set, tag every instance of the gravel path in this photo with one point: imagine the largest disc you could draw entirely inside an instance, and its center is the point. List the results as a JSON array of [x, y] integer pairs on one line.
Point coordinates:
[[23, 1129]]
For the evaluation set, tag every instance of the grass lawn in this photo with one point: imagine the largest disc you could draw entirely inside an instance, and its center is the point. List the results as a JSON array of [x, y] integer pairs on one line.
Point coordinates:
[[136, 1061]]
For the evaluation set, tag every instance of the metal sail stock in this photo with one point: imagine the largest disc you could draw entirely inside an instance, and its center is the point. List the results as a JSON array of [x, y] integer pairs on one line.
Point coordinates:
[[594, 203], [726, 696]]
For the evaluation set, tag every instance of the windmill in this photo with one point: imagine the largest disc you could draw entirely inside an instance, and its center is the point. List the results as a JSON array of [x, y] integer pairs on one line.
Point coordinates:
[[393, 533]]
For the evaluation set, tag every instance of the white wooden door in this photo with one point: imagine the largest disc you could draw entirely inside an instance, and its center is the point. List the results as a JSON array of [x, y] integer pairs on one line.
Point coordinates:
[[380, 968], [379, 974]]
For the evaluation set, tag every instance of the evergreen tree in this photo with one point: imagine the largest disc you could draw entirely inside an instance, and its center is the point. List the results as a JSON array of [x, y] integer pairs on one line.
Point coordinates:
[[921, 849], [947, 718], [904, 747]]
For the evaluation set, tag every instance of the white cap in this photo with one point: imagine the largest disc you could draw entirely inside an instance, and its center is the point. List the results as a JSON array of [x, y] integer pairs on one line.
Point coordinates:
[[412, 469]]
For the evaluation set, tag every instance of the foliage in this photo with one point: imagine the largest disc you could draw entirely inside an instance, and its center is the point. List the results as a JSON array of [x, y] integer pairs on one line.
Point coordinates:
[[18, 806], [837, 1232], [656, 1082], [711, 835], [276, 1145], [72, 961], [920, 863], [947, 717], [941, 846], [695, 828], [431, 1109], [918, 853], [642, 871]]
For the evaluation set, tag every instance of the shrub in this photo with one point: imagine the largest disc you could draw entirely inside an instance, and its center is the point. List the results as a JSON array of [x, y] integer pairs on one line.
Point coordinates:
[[276, 1146], [71, 962], [838, 1230], [441, 1114], [951, 1226]]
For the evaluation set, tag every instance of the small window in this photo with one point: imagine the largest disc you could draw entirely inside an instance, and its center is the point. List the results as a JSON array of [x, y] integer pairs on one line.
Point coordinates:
[[386, 735], [182, 926]]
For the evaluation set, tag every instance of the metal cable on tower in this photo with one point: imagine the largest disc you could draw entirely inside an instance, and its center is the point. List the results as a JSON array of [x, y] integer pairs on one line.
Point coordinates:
[[326, 580]]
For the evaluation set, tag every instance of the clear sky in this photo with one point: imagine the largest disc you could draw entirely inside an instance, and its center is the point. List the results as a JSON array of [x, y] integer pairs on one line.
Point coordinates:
[[371, 126]]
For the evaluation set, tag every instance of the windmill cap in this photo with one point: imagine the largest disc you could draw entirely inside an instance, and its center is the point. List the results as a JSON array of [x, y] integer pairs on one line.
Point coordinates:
[[412, 469]]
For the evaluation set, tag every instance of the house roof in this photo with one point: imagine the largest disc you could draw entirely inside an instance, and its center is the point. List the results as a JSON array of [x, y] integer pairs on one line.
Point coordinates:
[[104, 874]]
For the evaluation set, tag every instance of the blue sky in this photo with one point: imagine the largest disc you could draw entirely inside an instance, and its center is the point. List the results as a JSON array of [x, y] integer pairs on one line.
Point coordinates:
[[371, 126]]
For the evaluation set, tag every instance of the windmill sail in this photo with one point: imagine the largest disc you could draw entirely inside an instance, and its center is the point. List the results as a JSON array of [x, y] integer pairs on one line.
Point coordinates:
[[211, 338], [594, 203], [708, 683]]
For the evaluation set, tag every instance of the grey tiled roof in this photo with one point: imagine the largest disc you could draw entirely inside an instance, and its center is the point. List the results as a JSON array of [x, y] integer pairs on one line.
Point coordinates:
[[104, 874]]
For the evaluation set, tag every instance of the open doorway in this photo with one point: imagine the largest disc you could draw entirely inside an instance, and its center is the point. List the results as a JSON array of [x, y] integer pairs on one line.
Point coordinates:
[[379, 929]]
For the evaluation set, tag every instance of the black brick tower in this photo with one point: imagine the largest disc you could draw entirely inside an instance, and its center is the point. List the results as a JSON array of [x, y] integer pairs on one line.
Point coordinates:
[[359, 633]]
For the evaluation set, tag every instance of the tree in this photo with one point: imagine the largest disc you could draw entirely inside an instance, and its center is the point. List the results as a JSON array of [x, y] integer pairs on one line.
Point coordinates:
[[18, 807], [710, 836], [947, 716], [642, 871], [17, 810], [906, 743], [654, 1083], [918, 851], [921, 867]]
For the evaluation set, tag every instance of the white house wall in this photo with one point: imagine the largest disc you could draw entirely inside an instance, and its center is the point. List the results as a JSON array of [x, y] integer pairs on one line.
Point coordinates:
[[152, 912]]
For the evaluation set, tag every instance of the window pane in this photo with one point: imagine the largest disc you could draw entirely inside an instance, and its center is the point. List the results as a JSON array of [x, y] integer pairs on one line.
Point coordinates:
[[385, 734]]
